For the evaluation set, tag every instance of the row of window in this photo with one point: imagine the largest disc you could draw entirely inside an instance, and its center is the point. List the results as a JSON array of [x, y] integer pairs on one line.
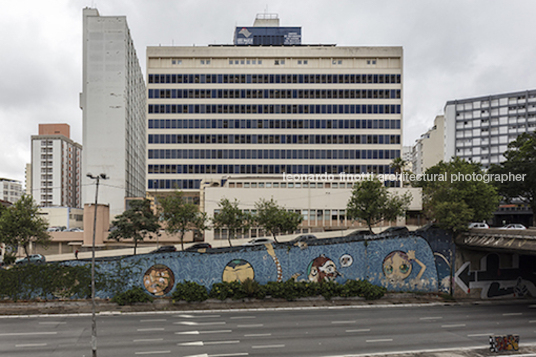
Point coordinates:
[[272, 139], [275, 78], [274, 124], [267, 169], [273, 154], [275, 93], [274, 109]]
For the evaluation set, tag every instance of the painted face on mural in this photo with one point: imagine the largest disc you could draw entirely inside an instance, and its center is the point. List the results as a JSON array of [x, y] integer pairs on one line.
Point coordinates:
[[397, 265], [322, 269], [346, 260], [159, 280], [238, 270]]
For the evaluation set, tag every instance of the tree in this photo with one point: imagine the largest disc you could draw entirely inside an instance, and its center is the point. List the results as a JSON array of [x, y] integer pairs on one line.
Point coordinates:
[[136, 223], [520, 160], [372, 203], [454, 196], [398, 164], [21, 225], [181, 216], [232, 218], [275, 219]]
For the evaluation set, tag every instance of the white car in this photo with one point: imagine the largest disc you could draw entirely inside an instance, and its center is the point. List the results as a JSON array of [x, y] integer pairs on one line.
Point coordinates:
[[513, 226], [479, 225], [259, 241]]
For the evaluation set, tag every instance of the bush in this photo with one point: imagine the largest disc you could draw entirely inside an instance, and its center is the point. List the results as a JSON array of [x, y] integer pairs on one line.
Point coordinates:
[[136, 294], [362, 288], [189, 291]]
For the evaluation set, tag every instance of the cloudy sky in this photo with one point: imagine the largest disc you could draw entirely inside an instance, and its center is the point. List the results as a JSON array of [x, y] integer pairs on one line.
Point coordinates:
[[452, 49]]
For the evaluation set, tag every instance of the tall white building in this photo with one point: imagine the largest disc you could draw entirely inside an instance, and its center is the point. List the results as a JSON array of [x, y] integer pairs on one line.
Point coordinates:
[[480, 128], [55, 168], [255, 108], [113, 104], [428, 149], [10, 190]]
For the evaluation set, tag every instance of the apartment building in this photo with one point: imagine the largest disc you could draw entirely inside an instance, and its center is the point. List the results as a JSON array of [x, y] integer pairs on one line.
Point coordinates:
[[114, 111], [55, 168], [428, 149], [480, 128], [10, 190]]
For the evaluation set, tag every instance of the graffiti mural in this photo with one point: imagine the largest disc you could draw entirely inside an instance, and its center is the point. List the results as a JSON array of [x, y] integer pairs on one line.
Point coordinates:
[[238, 270], [504, 343], [397, 266], [159, 280], [322, 269], [496, 282]]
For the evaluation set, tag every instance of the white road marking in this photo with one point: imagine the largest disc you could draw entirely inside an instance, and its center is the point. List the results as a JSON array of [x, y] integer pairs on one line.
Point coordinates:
[[258, 334], [532, 321], [191, 323], [149, 340], [197, 316], [513, 314], [152, 352], [32, 345], [269, 346], [359, 330], [450, 326], [154, 320], [151, 329], [201, 343], [52, 323], [381, 340], [199, 332], [221, 355], [481, 334], [242, 317], [343, 322], [28, 333], [431, 318], [252, 325]]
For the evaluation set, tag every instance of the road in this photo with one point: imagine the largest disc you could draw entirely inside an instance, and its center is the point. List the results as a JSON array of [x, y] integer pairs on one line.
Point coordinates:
[[279, 332]]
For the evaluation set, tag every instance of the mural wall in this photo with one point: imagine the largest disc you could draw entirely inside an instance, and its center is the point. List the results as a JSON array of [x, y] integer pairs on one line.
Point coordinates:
[[401, 263]]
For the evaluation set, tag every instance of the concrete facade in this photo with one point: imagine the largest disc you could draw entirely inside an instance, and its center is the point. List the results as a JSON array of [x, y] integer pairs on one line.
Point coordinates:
[[428, 149], [113, 104], [267, 110], [481, 128], [56, 165], [10, 190]]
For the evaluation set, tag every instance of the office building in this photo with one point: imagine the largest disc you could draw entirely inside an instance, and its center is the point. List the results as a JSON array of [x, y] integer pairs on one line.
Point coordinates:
[[480, 128], [428, 149], [270, 106], [55, 168], [113, 104], [10, 190]]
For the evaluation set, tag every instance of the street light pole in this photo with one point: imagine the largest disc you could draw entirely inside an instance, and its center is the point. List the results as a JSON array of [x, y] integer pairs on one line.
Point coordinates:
[[93, 318]]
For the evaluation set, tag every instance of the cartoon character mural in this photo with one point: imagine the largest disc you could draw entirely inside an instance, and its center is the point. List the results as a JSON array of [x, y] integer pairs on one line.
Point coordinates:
[[238, 270], [159, 280], [322, 269], [397, 266]]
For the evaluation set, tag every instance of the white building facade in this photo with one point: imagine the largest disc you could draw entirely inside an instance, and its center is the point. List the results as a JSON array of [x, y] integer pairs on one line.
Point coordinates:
[[428, 149], [113, 104], [480, 129], [56, 167], [267, 110], [10, 190]]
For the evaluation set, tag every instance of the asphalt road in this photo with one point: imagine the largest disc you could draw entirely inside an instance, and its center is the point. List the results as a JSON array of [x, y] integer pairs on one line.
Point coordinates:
[[280, 332]]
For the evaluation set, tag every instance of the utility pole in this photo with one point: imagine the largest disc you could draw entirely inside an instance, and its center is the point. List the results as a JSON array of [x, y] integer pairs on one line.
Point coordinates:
[[93, 318]]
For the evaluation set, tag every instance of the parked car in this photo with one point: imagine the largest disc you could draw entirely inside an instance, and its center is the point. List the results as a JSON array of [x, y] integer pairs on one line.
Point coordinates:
[[479, 225], [74, 230], [514, 226], [165, 249], [259, 241], [54, 229], [396, 230], [304, 238], [195, 247], [32, 259]]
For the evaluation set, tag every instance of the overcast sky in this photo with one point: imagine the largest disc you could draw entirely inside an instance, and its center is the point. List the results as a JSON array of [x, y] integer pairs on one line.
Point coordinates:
[[452, 50]]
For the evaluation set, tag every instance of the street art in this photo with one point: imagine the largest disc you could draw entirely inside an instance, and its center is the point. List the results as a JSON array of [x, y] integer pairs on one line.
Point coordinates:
[[238, 270], [322, 269], [496, 282], [504, 343], [397, 266], [399, 263], [159, 280]]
